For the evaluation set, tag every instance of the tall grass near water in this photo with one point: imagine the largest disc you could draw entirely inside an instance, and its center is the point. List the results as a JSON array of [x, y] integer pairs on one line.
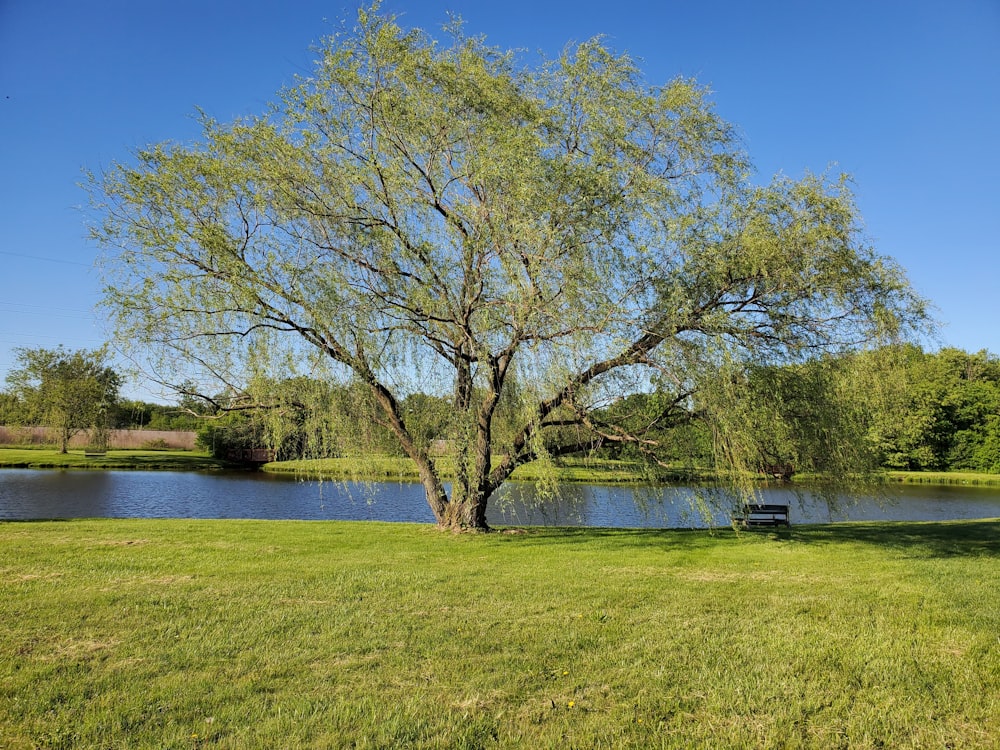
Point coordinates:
[[117, 439]]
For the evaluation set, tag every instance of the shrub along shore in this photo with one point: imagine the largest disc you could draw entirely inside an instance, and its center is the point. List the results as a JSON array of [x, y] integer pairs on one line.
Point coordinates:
[[251, 634]]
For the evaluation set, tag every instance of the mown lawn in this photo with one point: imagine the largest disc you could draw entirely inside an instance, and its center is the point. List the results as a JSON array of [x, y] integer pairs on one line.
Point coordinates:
[[266, 634]]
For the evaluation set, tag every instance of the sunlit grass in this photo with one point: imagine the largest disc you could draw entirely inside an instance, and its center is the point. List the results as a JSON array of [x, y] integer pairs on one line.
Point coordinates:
[[573, 469], [262, 634], [944, 477]]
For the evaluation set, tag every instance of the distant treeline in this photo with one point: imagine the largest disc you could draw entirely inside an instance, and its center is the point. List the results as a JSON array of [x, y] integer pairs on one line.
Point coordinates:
[[125, 415], [946, 414], [916, 410], [929, 411]]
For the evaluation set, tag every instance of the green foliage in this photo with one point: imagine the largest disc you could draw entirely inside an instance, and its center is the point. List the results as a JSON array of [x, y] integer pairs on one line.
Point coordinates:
[[299, 418], [11, 409], [159, 444], [134, 414], [945, 413], [832, 416], [530, 242], [428, 417], [794, 411], [69, 391], [230, 437]]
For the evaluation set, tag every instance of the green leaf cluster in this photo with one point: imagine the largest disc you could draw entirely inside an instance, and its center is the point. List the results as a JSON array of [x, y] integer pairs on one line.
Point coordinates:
[[945, 412]]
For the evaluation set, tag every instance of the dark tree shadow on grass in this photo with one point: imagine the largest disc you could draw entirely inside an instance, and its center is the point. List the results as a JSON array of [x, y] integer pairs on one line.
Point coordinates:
[[978, 538], [584, 536]]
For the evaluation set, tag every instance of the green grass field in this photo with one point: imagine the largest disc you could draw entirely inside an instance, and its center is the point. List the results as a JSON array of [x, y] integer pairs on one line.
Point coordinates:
[[245, 634]]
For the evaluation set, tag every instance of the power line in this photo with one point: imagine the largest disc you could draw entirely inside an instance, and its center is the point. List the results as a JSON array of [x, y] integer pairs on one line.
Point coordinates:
[[50, 260], [48, 314], [31, 340], [46, 307], [51, 316]]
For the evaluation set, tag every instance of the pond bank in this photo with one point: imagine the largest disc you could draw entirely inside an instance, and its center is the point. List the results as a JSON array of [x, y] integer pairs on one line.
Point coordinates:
[[591, 471], [584, 470], [945, 477], [168, 460], [580, 470]]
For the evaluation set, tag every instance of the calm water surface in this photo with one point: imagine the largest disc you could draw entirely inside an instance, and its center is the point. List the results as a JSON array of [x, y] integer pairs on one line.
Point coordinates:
[[27, 494]]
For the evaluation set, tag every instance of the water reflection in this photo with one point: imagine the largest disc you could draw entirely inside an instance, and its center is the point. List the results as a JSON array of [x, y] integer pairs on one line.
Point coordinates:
[[30, 494]]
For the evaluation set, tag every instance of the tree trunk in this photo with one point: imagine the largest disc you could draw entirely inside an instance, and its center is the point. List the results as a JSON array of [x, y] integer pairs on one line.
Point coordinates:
[[465, 510], [466, 514]]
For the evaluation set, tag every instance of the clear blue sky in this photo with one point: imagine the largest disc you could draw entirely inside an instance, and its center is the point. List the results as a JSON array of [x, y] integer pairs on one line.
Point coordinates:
[[902, 94]]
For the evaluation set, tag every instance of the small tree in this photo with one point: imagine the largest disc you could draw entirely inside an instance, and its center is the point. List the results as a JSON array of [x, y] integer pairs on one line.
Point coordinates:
[[68, 391], [11, 409], [417, 213]]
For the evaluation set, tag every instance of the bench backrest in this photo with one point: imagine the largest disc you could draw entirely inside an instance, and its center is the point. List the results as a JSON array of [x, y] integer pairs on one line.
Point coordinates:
[[761, 508]]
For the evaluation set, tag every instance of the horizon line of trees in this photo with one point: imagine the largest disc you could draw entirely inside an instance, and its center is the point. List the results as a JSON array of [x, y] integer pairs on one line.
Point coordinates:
[[920, 411], [933, 411]]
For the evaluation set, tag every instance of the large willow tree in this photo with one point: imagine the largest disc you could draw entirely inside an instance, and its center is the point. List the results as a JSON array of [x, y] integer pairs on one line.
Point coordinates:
[[416, 212]]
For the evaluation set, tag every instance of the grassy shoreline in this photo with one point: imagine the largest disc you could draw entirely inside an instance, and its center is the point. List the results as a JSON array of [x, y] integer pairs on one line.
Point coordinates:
[[944, 477], [166, 460], [587, 470], [250, 634], [592, 471]]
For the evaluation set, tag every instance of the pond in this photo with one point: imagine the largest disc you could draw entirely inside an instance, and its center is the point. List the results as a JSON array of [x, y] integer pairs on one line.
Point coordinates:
[[27, 494]]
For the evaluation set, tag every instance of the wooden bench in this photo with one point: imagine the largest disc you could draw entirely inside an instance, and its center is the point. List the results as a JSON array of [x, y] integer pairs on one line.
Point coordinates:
[[760, 514]]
